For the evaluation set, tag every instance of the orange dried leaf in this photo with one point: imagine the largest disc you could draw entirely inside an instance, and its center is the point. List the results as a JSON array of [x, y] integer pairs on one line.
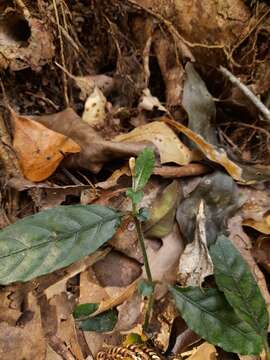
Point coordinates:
[[39, 149]]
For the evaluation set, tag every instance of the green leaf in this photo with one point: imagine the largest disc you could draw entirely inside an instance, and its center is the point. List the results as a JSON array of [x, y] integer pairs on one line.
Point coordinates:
[[144, 167], [208, 314], [83, 310], [145, 287], [234, 278], [53, 239], [101, 323], [135, 197]]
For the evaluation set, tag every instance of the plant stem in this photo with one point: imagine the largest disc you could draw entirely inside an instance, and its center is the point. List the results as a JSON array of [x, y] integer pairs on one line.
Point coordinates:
[[146, 264], [150, 305], [267, 349], [142, 244]]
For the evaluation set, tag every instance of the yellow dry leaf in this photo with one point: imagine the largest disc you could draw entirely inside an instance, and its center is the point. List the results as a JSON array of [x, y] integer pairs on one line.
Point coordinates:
[[39, 149], [210, 151], [205, 351], [170, 148], [262, 226]]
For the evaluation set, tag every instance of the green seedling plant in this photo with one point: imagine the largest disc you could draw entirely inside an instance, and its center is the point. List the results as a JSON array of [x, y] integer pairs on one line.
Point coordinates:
[[232, 316], [141, 170]]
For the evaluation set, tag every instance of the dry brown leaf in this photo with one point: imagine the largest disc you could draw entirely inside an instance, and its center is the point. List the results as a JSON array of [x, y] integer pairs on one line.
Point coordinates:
[[113, 179], [130, 313], [164, 314], [94, 150], [261, 226], [149, 102], [195, 263], [66, 331], [116, 270], [205, 351], [170, 148], [210, 151], [39, 149], [261, 251], [164, 261], [18, 342], [117, 297]]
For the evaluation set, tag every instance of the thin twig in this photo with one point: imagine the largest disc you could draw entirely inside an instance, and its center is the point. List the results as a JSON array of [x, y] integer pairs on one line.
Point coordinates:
[[252, 97], [61, 52]]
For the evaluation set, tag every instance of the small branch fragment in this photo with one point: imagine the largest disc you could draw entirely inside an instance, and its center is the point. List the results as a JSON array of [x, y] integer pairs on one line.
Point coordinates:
[[252, 97]]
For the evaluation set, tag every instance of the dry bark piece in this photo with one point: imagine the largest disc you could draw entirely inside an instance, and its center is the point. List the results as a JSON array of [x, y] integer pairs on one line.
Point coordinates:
[[192, 169], [170, 67], [39, 149]]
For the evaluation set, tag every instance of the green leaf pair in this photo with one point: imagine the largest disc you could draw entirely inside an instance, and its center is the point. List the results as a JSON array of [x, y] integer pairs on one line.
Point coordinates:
[[234, 317]]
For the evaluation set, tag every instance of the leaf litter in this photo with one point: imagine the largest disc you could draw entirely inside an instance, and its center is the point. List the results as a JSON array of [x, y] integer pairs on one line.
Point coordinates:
[[83, 91]]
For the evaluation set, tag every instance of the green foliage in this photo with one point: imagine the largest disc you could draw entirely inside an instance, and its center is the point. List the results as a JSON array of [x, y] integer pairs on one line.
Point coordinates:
[[135, 197], [146, 288], [53, 239], [84, 310], [209, 315], [234, 278], [101, 323], [144, 167]]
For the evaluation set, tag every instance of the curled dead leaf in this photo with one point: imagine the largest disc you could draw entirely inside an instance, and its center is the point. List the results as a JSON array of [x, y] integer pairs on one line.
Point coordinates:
[[210, 151], [195, 263], [262, 226], [39, 149]]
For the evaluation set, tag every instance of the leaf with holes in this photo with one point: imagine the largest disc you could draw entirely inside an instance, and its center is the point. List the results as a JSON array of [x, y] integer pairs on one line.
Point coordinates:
[[234, 278], [53, 239], [209, 315]]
